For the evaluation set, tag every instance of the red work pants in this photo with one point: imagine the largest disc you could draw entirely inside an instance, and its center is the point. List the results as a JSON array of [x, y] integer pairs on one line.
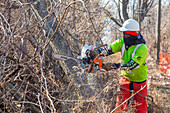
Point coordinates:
[[139, 102]]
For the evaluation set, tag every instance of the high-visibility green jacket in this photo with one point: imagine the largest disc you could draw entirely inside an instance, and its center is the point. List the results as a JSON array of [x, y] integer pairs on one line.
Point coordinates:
[[138, 53]]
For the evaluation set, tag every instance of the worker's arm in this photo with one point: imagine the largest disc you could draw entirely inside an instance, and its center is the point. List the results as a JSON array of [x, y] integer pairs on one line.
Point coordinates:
[[111, 49], [130, 65], [138, 59], [124, 66]]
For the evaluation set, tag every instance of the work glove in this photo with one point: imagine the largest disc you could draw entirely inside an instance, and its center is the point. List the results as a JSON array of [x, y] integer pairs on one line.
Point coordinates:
[[110, 66], [93, 54]]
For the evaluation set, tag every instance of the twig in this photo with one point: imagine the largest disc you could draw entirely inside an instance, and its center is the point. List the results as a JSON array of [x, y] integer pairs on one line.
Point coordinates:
[[94, 27], [40, 103], [18, 95], [74, 37], [39, 22], [11, 74], [94, 108], [111, 17], [42, 74]]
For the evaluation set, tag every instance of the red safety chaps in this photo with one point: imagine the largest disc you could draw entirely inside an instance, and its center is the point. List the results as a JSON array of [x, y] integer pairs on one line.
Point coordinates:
[[139, 102]]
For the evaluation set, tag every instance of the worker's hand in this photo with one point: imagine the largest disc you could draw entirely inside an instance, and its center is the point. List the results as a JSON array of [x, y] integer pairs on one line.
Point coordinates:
[[107, 66], [93, 54], [110, 66]]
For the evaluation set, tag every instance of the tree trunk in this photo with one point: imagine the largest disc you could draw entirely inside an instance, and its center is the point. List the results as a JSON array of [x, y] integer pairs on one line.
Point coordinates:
[[59, 46], [58, 43]]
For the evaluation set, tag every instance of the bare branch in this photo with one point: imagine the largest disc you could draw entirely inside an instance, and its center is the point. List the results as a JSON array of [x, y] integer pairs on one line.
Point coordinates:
[[111, 17]]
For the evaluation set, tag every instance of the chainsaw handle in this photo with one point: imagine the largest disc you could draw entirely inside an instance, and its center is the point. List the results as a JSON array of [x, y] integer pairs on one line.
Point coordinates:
[[99, 69], [91, 66]]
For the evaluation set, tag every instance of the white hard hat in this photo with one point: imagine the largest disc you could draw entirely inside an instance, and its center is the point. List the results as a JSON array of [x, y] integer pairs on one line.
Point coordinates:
[[130, 25]]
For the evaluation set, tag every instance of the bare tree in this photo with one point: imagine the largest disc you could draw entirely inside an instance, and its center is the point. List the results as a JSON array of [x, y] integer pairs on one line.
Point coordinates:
[[124, 10], [31, 31]]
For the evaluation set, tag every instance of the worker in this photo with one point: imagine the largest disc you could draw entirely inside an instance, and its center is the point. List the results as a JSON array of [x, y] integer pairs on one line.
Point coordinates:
[[134, 69]]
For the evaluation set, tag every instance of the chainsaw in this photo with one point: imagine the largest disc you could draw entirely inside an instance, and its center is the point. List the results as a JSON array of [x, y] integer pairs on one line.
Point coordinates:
[[94, 64]]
